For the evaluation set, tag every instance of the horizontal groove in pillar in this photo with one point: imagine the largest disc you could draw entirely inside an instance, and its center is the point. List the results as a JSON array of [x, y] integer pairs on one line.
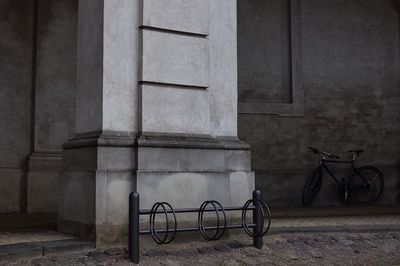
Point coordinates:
[[186, 33], [179, 86]]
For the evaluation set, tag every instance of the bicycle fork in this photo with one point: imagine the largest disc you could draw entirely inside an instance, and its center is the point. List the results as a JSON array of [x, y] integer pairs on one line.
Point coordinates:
[[344, 189]]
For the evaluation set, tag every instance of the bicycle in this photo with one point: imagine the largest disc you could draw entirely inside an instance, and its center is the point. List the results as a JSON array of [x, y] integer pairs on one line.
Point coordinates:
[[364, 184]]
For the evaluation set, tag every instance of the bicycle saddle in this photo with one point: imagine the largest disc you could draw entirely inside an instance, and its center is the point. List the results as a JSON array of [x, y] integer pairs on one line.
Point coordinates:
[[357, 151]]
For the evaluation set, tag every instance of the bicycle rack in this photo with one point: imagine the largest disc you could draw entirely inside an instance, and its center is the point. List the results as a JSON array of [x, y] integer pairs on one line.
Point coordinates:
[[255, 230]]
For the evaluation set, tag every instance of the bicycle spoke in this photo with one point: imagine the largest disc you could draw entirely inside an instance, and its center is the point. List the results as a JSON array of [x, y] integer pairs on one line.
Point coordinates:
[[375, 177], [367, 184], [364, 179]]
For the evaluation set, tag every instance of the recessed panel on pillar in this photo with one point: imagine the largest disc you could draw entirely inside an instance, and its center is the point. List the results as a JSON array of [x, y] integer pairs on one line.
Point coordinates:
[[174, 59], [175, 110], [179, 15]]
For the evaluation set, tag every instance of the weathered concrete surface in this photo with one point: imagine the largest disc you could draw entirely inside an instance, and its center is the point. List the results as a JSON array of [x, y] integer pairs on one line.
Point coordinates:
[[120, 66], [12, 222], [350, 60], [174, 59], [264, 74], [178, 15], [98, 161], [171, 110], [107, 66], [16, 42], [54, 100], [89, 75], [223, 68], [55, 74], [193, 187]]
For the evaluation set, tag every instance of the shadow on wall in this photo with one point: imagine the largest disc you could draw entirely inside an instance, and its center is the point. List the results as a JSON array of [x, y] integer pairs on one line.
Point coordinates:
[[396, 5], [398, 181]]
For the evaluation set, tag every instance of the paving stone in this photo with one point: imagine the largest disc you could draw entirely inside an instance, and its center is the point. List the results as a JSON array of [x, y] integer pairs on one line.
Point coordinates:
[[66, 261], [384, 236], [390, 245], [206, 250], [90, 262], [223, 248], [115, 251], [249, 261], [292, 239], [44, 262], [16, 251], [324, 239], [302, 250], [63, 246], [183, 252], [358, 237], [343, 240], [339, 250], [172, 263], [99, 257], [235, 245], [396, 235], [231, 262], [312, 243], [316, 253], [155, 253]]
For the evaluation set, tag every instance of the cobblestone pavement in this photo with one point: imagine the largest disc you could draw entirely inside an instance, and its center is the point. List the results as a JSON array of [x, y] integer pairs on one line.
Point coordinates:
[[335, 248]]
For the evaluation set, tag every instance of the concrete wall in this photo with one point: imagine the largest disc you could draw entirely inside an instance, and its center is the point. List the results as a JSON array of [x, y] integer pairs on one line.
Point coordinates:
[[37, 94], [54, 94], [350, 68], [16, 42]]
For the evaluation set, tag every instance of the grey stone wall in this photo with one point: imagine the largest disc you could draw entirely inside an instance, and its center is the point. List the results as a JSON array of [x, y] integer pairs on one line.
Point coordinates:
[[54, 94], [16, 42], [350, 68], [37, 94]]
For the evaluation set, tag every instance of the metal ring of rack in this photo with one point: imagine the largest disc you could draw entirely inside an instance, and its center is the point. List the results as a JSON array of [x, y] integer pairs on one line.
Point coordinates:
[[218, 232], [257, 204], [153, 231]]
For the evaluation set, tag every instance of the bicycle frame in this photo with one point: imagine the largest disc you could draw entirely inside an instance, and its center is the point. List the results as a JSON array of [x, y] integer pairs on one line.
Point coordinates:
[[323, 162]]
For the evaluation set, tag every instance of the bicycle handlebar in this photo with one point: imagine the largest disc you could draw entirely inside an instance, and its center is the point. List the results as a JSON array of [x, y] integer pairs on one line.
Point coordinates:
[[330, 155]]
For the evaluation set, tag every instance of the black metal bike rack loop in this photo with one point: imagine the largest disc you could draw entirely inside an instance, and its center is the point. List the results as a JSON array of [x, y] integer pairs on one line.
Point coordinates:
[[256, 230]]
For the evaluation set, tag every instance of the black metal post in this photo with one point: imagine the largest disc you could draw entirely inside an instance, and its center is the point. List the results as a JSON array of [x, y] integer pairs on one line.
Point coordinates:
[[134, 227], [257, 220]]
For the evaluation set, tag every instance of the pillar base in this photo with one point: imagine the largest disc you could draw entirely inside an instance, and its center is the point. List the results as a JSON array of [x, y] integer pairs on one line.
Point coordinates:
[[184, 170], [42, 184]]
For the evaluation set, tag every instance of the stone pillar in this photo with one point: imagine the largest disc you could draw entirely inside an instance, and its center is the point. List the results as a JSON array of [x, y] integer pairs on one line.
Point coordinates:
[[156, 112], [99, 160], [54, 100]]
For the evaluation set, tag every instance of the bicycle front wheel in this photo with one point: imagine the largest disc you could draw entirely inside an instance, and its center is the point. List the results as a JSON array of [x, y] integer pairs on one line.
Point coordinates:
[[312, 187], [366, 184]]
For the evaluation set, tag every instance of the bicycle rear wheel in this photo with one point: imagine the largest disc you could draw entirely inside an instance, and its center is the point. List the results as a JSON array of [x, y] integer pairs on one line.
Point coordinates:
[[366, 184], [312, 187]]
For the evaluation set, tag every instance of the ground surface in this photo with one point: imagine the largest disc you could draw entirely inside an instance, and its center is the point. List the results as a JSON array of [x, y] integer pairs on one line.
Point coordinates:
[[7, 238], [312, 248]]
